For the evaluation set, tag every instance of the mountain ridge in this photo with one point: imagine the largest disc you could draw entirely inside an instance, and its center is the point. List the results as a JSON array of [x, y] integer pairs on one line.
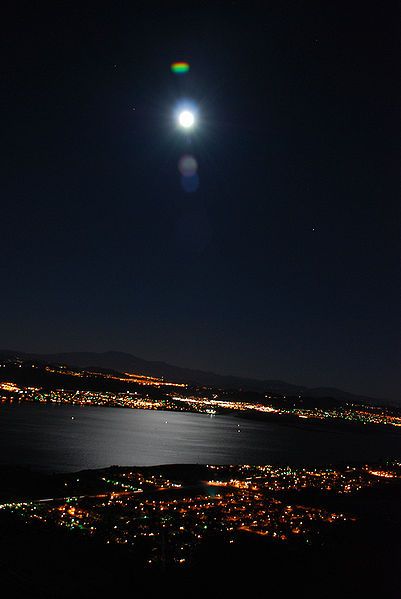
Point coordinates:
[[124, 361]]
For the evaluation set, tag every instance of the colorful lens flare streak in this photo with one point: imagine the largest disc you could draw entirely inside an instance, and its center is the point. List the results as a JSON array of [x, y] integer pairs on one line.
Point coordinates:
[[179, 68]]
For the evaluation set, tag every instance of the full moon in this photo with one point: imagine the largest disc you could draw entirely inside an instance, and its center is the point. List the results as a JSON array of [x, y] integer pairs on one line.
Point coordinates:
[[186, 119]]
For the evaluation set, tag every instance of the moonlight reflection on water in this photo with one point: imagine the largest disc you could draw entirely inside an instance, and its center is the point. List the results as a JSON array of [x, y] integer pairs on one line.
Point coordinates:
[[69, 438]]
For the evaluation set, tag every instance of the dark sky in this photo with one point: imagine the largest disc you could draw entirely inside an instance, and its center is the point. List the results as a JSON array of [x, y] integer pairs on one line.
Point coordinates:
[[285, 263]]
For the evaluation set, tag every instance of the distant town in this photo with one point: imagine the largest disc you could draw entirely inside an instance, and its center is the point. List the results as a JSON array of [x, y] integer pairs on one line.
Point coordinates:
[[60, 384]]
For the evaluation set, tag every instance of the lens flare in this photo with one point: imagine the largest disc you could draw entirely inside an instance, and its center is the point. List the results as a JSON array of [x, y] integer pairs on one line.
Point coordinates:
[[190, 184], [179, 68], [187, 165]]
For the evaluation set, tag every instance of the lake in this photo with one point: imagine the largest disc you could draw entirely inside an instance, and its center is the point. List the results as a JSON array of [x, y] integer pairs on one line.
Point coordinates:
[[70, 438]]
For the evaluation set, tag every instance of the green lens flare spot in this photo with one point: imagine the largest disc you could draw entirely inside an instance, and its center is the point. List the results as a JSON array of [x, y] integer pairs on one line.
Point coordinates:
[[179, 68]]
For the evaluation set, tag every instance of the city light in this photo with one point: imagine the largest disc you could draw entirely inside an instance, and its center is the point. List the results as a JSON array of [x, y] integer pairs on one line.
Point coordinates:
[[148, 506], [181, 397]]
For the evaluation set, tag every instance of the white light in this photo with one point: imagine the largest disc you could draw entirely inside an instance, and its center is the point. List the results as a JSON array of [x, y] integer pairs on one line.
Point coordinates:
[[186, 119]]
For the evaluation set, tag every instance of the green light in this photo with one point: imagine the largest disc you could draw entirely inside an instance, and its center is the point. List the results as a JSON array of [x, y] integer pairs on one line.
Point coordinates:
[[179, 68]]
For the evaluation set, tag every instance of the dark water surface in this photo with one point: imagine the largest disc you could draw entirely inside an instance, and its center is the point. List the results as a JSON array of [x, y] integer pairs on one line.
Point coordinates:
[[69, 438]]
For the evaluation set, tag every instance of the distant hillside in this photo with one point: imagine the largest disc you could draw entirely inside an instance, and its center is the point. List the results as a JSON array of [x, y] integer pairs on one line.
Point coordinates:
[[124, 362]]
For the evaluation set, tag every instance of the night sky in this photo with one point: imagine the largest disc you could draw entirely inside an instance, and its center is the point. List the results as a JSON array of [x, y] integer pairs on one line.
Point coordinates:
[[285, 263]]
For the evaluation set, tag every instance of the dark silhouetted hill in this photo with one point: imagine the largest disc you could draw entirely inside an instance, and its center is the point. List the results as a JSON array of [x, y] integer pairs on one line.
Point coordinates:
[[124, 362]]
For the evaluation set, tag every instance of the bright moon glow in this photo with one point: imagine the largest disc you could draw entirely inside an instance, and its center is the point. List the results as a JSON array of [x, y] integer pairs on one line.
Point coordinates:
[[186, 119]]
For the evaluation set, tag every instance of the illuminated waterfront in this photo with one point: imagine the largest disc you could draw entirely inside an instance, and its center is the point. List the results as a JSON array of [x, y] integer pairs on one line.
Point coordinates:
[[151, 393]]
